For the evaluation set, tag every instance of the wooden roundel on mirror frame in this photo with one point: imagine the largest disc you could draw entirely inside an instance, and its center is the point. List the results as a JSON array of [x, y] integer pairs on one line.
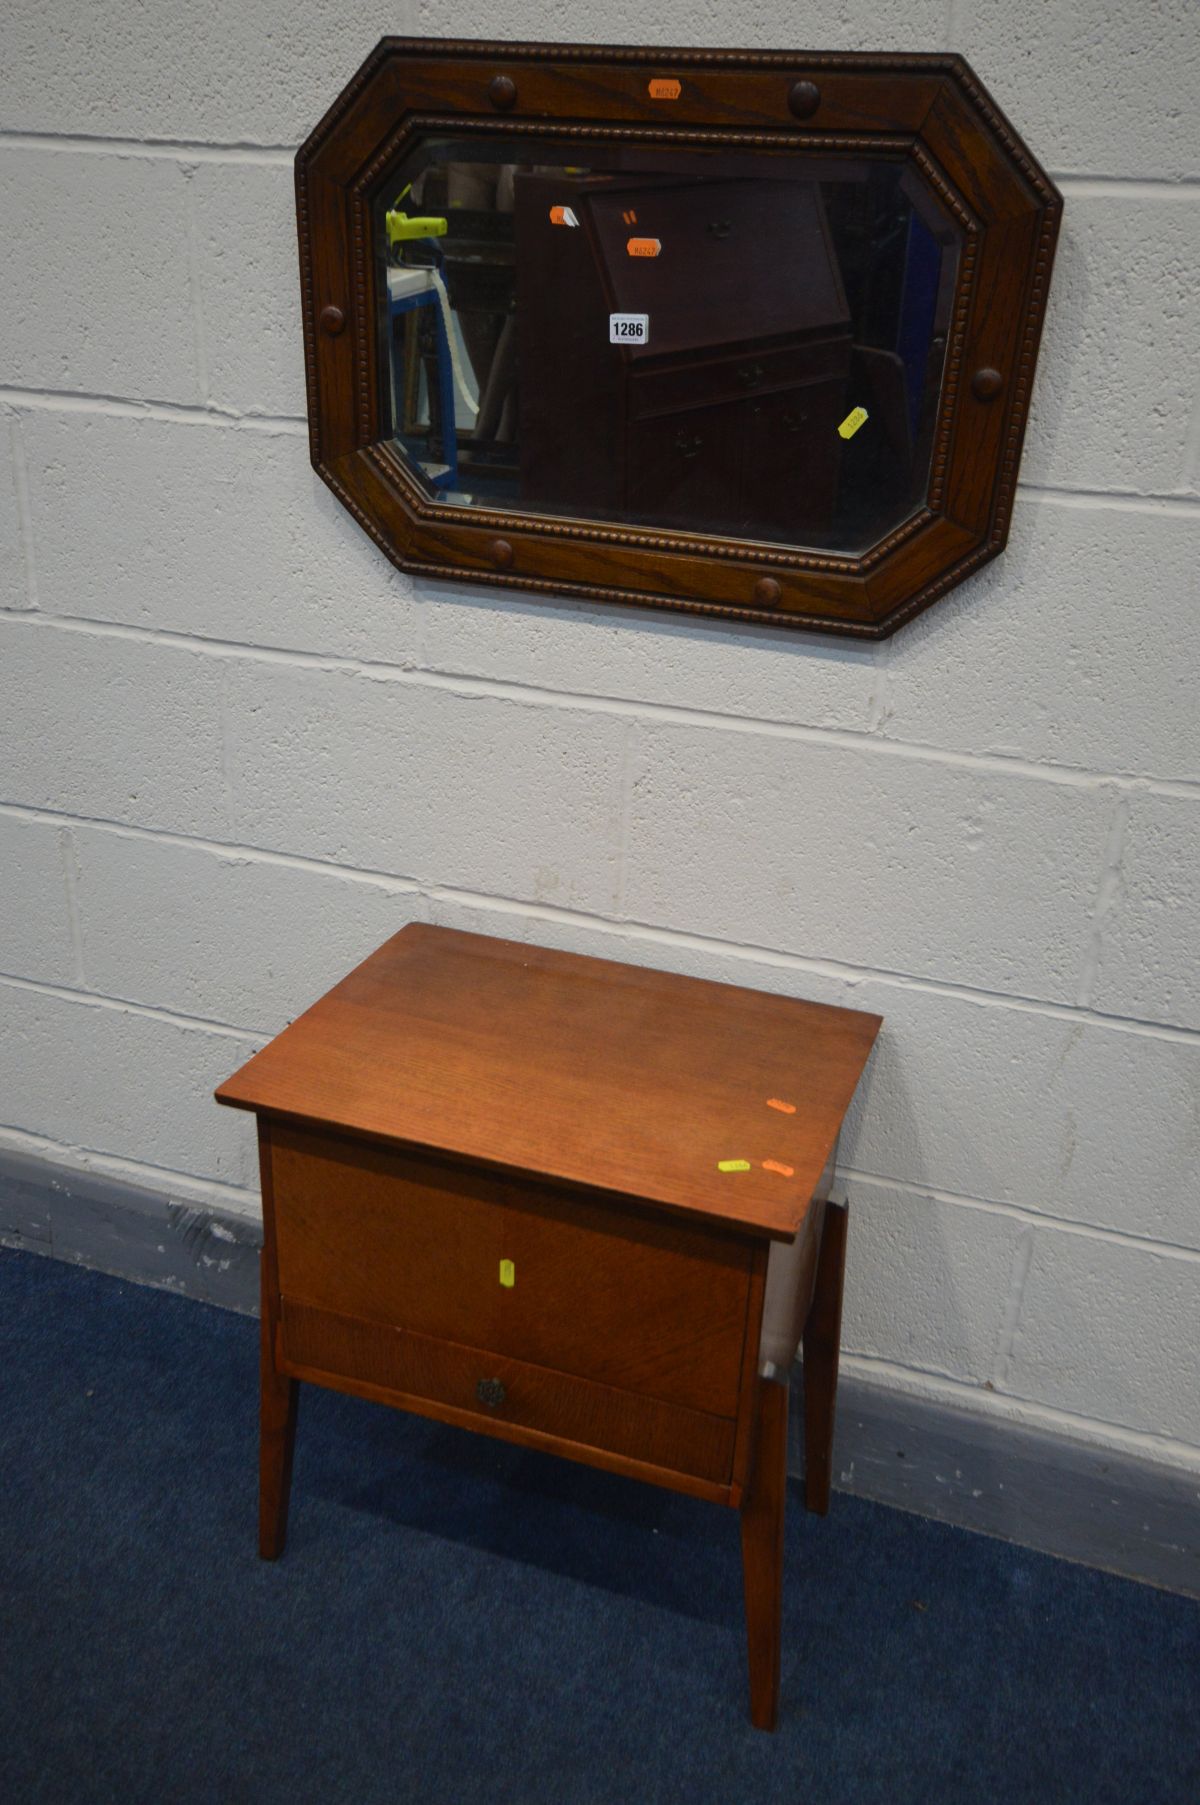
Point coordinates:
[[744, 334]]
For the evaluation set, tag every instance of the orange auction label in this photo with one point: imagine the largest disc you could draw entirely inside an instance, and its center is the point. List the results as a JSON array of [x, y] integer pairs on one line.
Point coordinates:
[[664, 88], [563, 216], [644, 247]]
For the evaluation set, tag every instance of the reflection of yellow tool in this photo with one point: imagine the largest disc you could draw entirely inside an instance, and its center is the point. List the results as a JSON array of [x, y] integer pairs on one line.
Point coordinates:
[[401, 228]]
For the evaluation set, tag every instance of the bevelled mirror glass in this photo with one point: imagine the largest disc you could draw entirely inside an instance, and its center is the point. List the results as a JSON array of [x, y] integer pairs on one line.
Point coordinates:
[[748, 334], [717, 342]]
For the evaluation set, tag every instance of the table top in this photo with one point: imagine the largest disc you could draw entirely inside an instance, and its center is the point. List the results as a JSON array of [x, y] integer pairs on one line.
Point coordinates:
[[581, 1071]]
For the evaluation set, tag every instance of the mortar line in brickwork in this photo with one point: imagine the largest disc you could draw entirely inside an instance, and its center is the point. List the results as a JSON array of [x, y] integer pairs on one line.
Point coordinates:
[[1191, 462], [77, 1158], [1079, 185], [1113, 501], [216, 414], [1024, 1214], [850, 975], [24, 510], [70, 865], [1012, 1407], [64, 993], [232, 849], [1014, 1307], [624, 929], [879, 703], [160, 149], [1108, 892], [842, 738], [179, 413]]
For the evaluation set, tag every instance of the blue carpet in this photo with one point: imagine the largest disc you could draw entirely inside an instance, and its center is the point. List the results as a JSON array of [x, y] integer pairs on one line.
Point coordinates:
[[458, 1621]]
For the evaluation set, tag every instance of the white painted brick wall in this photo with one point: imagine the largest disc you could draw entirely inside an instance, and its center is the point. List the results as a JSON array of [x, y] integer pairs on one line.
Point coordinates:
[[84, 309], [246, 942], [13, 575], [848, 853], [1104, 679], [237, 749], [1150, 955], [37, 937], [227, 535], [113, 1080], [1102, 1317], [949, 1318], [1109, 409]]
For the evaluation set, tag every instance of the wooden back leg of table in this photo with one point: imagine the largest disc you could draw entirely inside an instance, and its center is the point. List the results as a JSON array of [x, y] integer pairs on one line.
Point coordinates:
[[822, 1342], [277, 1439], [762, 1517]]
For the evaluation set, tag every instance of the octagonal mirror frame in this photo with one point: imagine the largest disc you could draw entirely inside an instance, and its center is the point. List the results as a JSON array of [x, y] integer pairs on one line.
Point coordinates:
[[930, 109]]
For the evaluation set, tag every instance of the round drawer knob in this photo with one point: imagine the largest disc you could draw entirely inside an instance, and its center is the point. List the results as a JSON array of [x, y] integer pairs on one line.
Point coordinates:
[[502, 92], [986, 384], [490, 1392], [333, 321], [500, 552], [767, 592]]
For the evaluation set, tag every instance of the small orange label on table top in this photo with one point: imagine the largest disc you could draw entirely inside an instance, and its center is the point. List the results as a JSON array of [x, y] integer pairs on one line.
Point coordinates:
[[665, 88], [562, 216], [775, 1165], [789, 1109], [644, 247]]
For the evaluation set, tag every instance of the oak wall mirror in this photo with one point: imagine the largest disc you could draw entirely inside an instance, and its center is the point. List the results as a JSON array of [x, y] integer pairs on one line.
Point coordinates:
[[749, 335]]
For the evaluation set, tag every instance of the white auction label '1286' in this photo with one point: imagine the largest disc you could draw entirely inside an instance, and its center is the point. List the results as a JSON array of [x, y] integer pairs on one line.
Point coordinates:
[[628, 328]]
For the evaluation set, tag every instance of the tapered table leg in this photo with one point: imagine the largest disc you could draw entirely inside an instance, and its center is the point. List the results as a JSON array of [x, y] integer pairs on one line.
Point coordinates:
[[277, 1439], [822, 1341], [762, 1552]]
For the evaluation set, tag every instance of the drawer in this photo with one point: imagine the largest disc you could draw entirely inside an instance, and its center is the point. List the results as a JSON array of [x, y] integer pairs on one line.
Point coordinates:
[[574, 1415], [705, 382], [618, 1295]]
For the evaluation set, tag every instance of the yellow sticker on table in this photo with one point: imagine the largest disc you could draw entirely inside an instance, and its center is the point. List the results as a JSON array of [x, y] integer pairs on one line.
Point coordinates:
[[857, 417], [508, 1274], [733, 1165]]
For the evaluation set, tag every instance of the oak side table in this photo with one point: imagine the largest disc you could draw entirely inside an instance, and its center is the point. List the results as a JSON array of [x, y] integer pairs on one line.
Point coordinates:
[[575, 1204]]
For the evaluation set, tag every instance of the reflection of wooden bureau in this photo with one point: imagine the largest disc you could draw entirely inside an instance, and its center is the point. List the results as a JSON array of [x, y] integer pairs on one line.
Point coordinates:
[[491, 1195], [726, 419]]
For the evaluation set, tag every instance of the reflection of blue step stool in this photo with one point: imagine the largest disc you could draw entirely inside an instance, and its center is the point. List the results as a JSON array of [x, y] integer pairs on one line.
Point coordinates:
[[409, 289]]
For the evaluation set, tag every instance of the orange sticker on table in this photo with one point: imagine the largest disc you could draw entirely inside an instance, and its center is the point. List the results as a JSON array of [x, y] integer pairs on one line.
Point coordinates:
[[665, 88], [562, 216], [774, 1165], [644, 247], [788, 1109]]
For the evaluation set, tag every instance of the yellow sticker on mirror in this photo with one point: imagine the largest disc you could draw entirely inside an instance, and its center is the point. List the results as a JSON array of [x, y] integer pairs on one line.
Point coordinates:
[[508, 1274], [854, 419]]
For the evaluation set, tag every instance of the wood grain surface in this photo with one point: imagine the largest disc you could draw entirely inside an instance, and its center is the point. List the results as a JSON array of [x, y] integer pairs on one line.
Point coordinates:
[[650, 1303], [584, 1072], [596, 1424]]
